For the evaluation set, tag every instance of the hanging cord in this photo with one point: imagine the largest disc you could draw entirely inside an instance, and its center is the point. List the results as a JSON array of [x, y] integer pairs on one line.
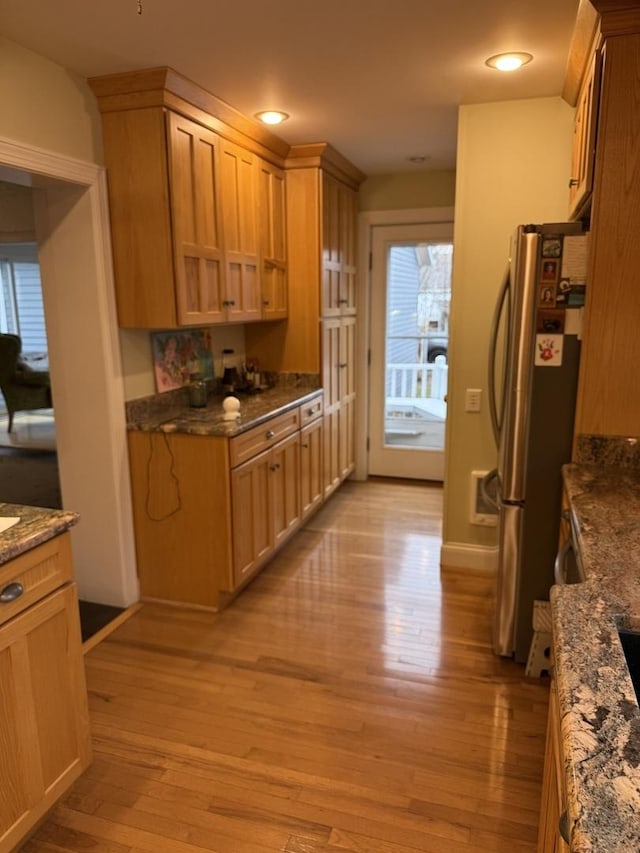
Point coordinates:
[[139, 9], [172, 474]]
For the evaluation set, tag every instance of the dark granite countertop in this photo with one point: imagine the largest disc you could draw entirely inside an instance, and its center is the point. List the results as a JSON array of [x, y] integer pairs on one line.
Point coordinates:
[[35, 527], [600, 716], [154, 415]]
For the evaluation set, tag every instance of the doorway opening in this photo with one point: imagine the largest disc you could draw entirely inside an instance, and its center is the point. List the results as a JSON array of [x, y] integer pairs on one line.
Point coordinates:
[[410, 297], [22, 314]]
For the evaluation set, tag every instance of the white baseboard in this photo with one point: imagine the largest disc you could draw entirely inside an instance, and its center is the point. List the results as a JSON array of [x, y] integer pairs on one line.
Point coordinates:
[[481, 559]]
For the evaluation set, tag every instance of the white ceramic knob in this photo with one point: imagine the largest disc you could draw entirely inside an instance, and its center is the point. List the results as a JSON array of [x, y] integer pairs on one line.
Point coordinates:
[[231, 408]]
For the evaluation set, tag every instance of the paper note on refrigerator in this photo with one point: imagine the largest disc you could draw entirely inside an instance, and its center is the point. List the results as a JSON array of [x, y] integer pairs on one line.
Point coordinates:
[[574, 259]]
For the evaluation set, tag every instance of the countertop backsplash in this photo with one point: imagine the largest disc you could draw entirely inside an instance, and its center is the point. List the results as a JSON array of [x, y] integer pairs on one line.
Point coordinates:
[[617, 451]]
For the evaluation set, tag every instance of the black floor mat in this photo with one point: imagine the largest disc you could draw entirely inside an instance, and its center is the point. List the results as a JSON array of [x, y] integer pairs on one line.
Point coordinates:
[[95, 616]]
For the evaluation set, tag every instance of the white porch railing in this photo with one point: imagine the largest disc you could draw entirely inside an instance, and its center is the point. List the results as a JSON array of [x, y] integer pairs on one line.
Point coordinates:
[[417, 381]]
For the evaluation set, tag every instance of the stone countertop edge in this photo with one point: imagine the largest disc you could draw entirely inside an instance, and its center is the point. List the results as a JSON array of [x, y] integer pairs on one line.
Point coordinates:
[[599, 712], [254, 410], [36, 525]]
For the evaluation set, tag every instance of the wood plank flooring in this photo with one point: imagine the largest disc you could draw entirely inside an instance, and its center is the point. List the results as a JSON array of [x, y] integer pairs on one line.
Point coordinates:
[[347, 701]]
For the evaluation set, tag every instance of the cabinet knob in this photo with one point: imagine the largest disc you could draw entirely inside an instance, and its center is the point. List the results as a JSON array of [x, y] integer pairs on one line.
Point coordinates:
[[266, 302], [573, 182], [304, 445], [270, 434], [11, 593], [343, 301], [275, 467], [343, 365]]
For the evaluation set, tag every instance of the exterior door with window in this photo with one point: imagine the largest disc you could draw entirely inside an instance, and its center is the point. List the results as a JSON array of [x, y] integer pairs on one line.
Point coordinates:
[[411, 293]]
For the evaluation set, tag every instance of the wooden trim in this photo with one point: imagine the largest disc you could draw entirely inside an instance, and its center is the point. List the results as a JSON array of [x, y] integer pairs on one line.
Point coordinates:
[[322, 155], [165, 87], [103, 633], [618, 17], [480, 559], [583, 43]]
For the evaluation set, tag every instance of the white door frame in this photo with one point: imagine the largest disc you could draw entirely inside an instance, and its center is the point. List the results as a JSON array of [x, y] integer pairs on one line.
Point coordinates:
[[74, 250], [368, 219]]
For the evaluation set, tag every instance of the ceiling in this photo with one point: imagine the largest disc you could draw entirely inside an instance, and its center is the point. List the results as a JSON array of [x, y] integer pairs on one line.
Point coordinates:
[[380, 80]]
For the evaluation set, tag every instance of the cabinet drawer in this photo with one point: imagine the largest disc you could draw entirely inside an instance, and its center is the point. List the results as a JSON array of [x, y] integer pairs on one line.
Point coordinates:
[[311, 410], [262, 437], [38, 572]]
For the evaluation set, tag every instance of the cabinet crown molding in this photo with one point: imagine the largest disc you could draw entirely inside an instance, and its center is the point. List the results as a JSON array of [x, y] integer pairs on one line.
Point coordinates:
[[618, 17], [325, 156], [165, 87]]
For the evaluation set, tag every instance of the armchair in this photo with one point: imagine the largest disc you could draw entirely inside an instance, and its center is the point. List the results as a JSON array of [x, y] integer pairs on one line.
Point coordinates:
[[23, 388]]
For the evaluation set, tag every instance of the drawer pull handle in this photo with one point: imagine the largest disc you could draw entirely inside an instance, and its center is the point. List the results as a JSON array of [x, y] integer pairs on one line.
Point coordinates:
[[343, 301], [275, 467], [270, 434], [573, 182], [11, 593]]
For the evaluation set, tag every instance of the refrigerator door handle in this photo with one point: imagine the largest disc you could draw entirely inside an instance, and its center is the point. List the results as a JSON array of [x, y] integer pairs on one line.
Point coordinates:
[[497, 415]]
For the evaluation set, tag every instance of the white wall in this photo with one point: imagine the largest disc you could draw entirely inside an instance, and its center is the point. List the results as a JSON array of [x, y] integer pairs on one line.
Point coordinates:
[[513, 167], [46, 106], [50, 139]]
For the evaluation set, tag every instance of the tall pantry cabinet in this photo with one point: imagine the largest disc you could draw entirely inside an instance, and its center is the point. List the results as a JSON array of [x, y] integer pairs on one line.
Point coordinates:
[[320, 335]]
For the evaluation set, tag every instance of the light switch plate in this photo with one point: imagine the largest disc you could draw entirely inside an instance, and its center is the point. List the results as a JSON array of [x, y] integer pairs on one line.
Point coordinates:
[[472, 400]]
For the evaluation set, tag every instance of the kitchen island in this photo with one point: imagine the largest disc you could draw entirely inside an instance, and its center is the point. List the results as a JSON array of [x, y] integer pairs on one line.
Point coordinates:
[[598, 709], [44, 723]]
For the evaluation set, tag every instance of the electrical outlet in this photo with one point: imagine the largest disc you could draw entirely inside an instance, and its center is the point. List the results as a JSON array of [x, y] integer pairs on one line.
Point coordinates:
[[472, 400]]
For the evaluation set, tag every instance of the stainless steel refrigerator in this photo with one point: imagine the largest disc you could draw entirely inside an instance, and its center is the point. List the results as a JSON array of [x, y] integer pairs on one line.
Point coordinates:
[[533, 375]]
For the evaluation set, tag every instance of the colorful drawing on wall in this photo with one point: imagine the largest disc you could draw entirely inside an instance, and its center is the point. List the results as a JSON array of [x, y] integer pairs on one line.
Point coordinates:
[[177, 355]]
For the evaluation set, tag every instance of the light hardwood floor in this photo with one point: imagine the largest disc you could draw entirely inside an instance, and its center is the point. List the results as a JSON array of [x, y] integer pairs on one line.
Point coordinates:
[[347, 701]]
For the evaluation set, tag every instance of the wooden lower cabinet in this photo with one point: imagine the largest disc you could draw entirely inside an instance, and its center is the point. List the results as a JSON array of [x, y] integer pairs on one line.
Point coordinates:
[[311, 473], [44, 723], [265, 497], [553, 803], [209, 511]]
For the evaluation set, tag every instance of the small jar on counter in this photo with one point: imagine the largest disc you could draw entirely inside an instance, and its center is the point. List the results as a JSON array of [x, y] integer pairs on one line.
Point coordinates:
[[197, 391]]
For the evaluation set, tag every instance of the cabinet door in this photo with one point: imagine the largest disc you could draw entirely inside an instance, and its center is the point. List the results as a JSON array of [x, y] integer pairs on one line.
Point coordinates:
[[553, 799], [252, 515], [331, 362], [583, 151], [331, 478], [44, 723], [331, 255], [195, 209], [348, 213], [311, 475], [273, 243], [239, 191], [284, 469]]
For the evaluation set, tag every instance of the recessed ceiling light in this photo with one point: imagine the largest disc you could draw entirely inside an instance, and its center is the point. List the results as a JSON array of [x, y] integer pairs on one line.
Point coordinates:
[[272, 116], [508, 61]]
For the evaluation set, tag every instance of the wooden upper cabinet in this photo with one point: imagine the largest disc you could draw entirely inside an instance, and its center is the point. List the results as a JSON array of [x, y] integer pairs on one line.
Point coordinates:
[[135, 148], [583, 151], [607, 389], [273, 241], [240, 218], [339, 218], [194, 172], [183, 170]]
